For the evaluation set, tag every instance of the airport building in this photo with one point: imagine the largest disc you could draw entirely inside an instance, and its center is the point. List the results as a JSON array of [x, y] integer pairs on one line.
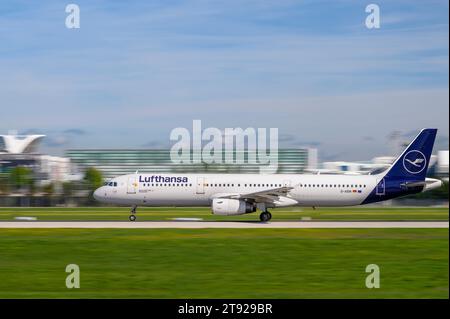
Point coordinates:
[[115, 162], [442, 164], [438, 165], [342, 167], [21, 150]]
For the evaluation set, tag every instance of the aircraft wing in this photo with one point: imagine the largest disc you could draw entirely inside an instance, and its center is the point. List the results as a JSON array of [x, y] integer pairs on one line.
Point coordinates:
[[265, 196]]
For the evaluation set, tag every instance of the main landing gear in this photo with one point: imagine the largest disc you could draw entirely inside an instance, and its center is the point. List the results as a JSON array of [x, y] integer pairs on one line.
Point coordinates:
[[265, 216], [132, 217]]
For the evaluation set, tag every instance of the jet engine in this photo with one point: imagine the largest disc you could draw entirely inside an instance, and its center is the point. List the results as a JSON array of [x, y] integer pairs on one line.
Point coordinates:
[[226, 206]]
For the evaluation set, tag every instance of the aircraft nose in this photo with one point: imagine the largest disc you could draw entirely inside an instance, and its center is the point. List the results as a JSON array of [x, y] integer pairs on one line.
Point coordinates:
[[97, 193]]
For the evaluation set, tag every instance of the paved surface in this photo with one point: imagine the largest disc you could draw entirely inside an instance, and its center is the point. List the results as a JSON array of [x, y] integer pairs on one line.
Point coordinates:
[[190, 224]]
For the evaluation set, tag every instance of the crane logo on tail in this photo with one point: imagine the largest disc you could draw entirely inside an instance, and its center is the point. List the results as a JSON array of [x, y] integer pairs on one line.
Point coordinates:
[[414, 162]]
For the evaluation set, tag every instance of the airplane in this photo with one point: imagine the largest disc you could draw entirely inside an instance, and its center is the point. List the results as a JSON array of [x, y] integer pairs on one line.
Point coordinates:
[[237, 194]]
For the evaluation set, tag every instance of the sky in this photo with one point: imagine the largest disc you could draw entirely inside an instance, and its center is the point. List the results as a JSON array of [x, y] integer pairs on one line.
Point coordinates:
[[135, 70]]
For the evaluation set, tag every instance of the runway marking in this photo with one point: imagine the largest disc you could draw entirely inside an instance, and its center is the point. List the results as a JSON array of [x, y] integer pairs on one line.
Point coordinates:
[[196, 225]]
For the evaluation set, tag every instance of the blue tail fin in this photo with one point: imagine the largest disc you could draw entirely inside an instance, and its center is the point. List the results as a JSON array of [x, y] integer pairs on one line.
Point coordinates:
[[413, 162]]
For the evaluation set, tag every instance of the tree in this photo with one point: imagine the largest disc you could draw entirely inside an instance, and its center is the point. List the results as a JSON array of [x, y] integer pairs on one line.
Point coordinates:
[[48, 189], [68, 189], [4, 184], [21, 177], [93, 179]]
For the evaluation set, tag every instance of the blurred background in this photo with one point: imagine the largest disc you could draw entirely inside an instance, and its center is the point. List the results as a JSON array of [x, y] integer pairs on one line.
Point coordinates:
[[79, 106], [29, 177]]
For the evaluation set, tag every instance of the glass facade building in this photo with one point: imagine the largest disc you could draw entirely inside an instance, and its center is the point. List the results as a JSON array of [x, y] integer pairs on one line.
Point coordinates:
[[115, 162]]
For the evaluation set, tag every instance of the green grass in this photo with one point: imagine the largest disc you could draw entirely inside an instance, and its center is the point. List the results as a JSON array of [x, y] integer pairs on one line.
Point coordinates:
[[166, 213], [224, 263]]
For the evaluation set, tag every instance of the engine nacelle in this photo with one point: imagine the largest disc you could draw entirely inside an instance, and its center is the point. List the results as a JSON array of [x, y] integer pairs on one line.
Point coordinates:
[[226, 206]]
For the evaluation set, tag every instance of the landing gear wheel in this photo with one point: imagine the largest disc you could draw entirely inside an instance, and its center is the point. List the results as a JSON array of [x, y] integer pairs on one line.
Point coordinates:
[[265, 216], [132, 217]]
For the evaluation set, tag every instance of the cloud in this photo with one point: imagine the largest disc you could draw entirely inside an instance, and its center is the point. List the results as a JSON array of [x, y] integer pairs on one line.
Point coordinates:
[[441, 143], [75, 131], [55, 141], [286, 138], [137, 70], [155, 145], [56, 138]]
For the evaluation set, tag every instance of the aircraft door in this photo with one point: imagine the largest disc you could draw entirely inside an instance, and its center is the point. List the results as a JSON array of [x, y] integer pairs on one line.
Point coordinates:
[[200, 189], [132, 184], [381, 187]]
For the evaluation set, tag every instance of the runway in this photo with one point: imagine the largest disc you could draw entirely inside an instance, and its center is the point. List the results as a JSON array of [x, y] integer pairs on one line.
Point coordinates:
[[200, 225]]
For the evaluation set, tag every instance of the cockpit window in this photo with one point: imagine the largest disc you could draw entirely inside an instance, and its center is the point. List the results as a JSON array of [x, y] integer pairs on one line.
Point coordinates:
[[114, 184]]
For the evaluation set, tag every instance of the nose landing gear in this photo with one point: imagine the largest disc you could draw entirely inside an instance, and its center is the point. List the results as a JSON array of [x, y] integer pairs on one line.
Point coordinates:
[[265, 216], [132, 217]]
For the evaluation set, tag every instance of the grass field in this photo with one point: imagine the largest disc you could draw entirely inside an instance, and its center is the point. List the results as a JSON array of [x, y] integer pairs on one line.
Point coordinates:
[[295, 213], [224, 263]]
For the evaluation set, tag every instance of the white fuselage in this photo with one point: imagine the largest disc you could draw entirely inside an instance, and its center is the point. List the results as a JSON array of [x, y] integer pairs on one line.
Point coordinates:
[[235, 194], [200, 189]]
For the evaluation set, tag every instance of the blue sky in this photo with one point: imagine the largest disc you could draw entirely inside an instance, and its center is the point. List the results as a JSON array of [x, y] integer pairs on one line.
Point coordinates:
[[137, 69]]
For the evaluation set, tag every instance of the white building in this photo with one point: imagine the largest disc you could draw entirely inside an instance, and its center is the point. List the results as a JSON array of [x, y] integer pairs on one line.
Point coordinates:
[[19, 144], [377, 163], [442, 163], [21, 150]]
